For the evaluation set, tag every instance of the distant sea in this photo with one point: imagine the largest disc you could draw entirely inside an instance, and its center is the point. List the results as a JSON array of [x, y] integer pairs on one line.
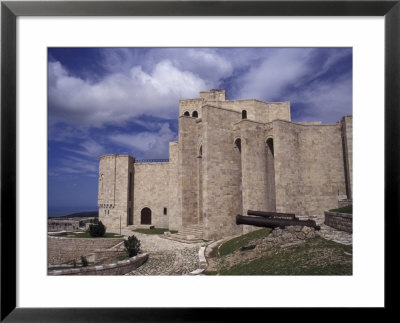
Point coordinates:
[[61, 211]]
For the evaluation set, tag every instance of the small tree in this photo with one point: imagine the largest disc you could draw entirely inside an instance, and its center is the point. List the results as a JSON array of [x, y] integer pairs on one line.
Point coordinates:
[[97, 229], [132, 246]]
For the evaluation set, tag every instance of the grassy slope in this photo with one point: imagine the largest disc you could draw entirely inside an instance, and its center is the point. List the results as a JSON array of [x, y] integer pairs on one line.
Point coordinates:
[[315, 257], [242, 241], [346, 209]]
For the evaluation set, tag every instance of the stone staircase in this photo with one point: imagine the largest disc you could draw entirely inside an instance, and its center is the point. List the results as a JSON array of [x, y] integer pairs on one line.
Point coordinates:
[[189, 234]]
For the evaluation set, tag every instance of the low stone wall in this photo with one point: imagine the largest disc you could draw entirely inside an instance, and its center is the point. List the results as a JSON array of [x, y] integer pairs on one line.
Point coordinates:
[[103, 255], [62, 225], [119, 268], [61, 249], [339, 221], [344, 202]]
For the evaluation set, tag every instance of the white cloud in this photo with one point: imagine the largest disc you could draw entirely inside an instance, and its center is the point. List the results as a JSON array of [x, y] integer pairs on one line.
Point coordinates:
[[147, 144], [327, 101], [76, 166], [274, 74], [119, 97]]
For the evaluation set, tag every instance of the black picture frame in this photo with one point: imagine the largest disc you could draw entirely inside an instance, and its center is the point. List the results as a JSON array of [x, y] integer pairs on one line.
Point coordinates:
[[10, 10]]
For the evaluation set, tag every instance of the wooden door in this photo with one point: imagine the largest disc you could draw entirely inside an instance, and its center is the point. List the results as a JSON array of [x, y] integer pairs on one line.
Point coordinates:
[[145, 216]]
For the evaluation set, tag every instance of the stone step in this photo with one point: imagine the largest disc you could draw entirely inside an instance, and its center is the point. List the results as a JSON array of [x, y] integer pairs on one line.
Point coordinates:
[[195, 232], [187, 233], [179, 239]]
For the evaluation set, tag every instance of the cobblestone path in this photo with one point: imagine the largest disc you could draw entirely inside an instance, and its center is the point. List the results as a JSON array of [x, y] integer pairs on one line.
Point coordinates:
[[166, 257]]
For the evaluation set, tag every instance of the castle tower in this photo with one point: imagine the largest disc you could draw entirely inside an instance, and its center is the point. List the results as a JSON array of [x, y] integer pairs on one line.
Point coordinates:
[[115, 190]]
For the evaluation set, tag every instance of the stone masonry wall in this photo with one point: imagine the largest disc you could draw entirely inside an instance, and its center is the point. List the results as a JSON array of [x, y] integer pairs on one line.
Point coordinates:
[[61, 250], [256, 110], [174, 210], [222, 193], [278, 110], [254, 179], [113, 199], [188, 170], [340, 221], [190, 105], [309, 170], [151, 189], [119, 268]]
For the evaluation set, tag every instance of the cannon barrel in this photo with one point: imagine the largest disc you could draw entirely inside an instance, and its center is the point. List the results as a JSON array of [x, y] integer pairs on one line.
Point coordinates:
[[273, 223], [272, 214]]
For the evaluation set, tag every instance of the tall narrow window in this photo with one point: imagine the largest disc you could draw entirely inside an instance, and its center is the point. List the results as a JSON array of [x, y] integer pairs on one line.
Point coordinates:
[[244, 114], [165, 211], [238, 144]]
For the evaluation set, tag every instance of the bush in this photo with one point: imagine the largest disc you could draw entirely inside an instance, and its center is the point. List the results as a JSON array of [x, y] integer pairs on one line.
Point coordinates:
[[84, 261], [132, 246], [97, 229]]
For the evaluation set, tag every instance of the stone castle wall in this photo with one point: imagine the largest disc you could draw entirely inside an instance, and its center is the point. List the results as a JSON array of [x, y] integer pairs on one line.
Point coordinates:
[[113, 190], [174, 212], [188, 170], [222, 188], [256, 110], [190, 105], [309, 167], [302, 168], [151, 189]]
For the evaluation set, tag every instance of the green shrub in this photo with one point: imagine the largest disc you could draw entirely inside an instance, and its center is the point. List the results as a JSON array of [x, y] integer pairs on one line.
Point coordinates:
[[84, 261], [97, 229], [132, 246]]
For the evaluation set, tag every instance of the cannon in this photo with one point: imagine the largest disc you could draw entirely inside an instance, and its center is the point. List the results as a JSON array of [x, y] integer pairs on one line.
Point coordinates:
[[290, 216], [274, 223]]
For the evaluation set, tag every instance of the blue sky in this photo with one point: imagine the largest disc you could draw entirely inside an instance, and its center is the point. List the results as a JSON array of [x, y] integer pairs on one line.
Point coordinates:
[[125, 100]]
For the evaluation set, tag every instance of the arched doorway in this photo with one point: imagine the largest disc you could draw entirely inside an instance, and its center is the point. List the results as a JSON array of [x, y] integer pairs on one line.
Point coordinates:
[[145, 216]]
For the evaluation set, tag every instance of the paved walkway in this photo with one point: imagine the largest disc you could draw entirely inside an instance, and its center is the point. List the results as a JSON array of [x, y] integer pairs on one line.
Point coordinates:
[[166, 257], [330, 233]]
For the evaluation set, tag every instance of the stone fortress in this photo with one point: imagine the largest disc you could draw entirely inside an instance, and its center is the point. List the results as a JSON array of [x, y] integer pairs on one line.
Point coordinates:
[[231, 156]]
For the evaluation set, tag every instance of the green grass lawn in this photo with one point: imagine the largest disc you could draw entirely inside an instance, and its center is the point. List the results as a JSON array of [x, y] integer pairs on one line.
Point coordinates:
[[242, 241], [346, 209], [316, 256], [87, 235], [154, 231]]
